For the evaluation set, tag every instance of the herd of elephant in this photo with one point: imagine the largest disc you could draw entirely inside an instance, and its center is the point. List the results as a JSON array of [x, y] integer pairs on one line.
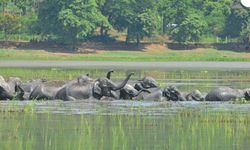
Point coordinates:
[[83, 87]]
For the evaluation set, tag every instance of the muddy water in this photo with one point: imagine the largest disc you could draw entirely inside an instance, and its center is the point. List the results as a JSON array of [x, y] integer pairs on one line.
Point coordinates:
[[91, 124]]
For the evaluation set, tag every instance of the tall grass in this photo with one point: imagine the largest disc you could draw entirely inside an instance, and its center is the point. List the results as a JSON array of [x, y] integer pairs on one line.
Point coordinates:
[[181, 131]]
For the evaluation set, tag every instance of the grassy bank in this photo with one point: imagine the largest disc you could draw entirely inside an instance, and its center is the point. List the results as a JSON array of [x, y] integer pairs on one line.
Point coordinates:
[[160, 55]]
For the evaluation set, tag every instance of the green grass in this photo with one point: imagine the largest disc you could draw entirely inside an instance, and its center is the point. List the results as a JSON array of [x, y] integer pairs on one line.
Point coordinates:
[[180, 131], [149, 55]]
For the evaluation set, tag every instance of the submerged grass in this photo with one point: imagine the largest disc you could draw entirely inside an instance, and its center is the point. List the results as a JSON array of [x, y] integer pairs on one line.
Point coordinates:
[[179, 131], [147, 55]]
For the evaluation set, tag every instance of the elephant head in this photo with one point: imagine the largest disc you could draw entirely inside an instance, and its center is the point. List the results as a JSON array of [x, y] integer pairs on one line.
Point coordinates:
[[146, 83], [172, 93], [104, 87], [128, 92], [195, 95], [247, 94]]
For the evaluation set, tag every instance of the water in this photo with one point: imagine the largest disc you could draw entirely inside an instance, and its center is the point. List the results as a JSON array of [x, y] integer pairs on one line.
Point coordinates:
[[92, 125]]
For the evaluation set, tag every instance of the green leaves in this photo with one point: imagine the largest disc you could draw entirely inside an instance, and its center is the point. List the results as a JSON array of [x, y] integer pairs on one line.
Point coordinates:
[[190, 30], [76, 19], [9, 23]]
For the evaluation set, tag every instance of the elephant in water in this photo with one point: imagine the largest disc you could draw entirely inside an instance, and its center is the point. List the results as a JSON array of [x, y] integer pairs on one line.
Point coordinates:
[[171, 93], [85, 89], [128, 92], [227, 94], [146, 83], [45, 90], [30, 86], [10, 89]]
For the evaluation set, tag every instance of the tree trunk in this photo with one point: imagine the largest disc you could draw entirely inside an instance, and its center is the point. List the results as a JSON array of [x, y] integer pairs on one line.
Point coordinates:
[[102, 31], [163, 24], [128, 36], [137, 40], [24, 11]]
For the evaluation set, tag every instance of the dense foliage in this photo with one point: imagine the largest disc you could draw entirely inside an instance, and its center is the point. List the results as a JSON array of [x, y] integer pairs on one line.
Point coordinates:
[[73, 20]]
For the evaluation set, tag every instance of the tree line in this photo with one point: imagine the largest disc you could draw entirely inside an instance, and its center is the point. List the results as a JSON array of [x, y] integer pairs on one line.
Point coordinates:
[[75, 20]]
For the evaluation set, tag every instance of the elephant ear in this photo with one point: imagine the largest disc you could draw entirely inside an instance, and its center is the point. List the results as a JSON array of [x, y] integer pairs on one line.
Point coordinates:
[[247, 95], [96, 89]]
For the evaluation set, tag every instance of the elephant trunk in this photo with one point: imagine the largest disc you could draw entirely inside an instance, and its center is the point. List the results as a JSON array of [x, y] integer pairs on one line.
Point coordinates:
[[139, 92], [19, 92], [118, 87], [109, 74]]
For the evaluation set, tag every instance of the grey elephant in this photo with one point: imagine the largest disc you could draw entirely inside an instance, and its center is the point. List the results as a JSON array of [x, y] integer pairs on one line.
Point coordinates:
[[146, 83], [171, 93], [11, 89], [195, 95], [128, 92], [145, 87], [227, 94], [84, 88], [28, 87], [45, 90]]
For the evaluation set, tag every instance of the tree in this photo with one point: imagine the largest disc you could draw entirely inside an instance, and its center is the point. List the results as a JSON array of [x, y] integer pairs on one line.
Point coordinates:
[[70, 20], [190, 30], [3, 4], [237, 21], [216, 13], [145, 24], [245, 32], [105, 7], [140, 18], [9, 23]]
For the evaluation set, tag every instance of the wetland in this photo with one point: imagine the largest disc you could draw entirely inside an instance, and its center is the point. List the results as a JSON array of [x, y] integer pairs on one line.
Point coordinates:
[[119, 124]]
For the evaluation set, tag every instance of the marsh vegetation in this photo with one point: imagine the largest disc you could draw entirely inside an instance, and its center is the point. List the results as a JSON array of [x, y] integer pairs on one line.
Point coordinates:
[[182, 130]]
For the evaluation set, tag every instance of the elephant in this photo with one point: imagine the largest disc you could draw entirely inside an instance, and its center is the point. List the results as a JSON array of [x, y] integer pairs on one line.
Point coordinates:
[[195, 95], [84, 88], [11, 89], [167, 94], [128, 92], [227, 94], [146, 83], [46, 90], [30, 86], [171, 93]]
